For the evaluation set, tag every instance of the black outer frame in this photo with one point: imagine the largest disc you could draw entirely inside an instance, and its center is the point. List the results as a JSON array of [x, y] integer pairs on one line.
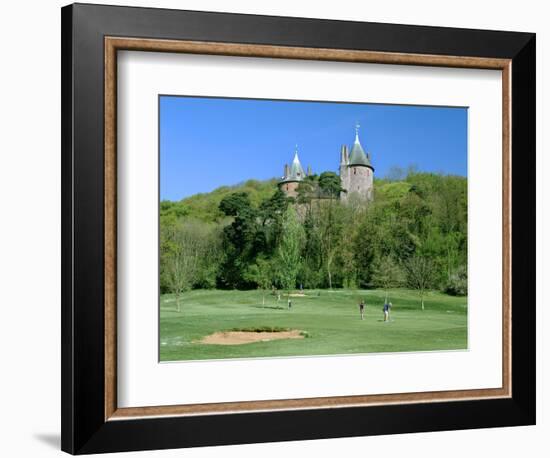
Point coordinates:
[[84, 429]]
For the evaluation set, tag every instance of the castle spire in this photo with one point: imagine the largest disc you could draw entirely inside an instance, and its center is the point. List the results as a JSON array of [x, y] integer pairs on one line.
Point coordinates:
[[357, 155], [295, 171]]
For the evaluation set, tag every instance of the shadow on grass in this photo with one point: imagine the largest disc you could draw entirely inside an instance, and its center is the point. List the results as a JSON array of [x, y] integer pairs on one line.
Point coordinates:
[[269, 307]]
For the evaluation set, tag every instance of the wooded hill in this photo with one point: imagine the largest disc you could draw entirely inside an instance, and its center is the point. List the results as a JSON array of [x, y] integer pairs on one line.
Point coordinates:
[[251, 235]]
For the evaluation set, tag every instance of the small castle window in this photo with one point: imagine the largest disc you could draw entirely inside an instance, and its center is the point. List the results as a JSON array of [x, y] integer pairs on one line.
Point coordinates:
[[355, 171]]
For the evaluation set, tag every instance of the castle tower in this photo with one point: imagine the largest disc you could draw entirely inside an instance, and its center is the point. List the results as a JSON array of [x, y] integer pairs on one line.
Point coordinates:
[[292, 176], [344, 169], [357, 172]]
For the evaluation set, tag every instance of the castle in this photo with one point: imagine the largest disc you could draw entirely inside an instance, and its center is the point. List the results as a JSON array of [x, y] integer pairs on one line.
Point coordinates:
[[356, 172]]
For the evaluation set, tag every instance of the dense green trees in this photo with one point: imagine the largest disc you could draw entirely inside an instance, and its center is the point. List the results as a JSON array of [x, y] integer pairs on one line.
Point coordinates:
[[190, 254], [387, 273], [414, 233], [289, 252]]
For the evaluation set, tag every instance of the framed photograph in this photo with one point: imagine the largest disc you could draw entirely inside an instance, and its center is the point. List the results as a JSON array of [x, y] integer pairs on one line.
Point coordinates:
[[283, 228]]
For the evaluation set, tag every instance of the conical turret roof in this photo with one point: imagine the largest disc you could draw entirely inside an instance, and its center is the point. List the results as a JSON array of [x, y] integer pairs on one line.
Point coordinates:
[[296, 169], [296, 172], [357, 155]]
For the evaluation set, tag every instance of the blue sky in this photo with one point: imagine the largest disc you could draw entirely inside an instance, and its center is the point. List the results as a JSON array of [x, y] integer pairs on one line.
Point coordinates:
[[209, 142]]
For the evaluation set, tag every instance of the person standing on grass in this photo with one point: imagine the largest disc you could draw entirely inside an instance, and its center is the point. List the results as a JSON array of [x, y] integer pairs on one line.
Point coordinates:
[[289, 303], [362, 309], [387, 307]]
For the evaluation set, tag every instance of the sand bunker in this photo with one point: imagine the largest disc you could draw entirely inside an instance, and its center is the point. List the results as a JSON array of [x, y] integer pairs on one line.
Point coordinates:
[[244, 337]]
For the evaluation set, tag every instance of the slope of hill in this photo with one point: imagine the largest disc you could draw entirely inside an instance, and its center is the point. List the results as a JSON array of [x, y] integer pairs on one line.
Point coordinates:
[[204, 206]]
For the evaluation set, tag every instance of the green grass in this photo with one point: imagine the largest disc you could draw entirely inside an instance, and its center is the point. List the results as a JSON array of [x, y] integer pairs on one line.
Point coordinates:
[[330, 321]]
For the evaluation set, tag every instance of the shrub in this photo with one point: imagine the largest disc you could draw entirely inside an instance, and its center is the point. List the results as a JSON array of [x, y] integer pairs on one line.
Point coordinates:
[[457, 284]]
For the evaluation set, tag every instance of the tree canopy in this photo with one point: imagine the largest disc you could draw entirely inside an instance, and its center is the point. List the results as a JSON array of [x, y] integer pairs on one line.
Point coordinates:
[[413, 233]]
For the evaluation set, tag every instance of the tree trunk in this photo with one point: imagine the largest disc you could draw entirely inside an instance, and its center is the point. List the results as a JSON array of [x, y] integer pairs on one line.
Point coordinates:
[[422, 300], [178, 303], [448, 262], [386, 296], [263, 299], [329, 278]]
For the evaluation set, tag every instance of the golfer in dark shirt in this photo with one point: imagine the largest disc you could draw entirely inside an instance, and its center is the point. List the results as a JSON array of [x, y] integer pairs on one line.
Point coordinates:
[[387, 307], [362, 309]]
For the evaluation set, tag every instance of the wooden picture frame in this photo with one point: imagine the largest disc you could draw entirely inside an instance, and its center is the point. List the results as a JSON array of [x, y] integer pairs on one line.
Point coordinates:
[[91, 419]]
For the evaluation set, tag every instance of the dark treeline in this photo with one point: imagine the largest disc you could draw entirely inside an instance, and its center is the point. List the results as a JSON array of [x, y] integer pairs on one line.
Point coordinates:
[[413, 234]]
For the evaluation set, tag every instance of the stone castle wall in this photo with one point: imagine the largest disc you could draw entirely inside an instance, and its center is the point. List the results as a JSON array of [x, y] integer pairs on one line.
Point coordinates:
[[344, 180], [360, 182], [290, 188], [357, 180]]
